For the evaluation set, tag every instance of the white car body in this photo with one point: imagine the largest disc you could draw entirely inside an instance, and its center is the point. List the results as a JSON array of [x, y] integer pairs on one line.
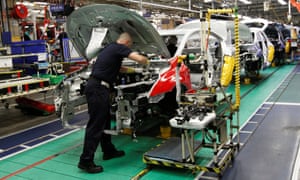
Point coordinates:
[[269, 28], [224, 29], [189, 43], [264, 44], [189, 40], [222, 35]]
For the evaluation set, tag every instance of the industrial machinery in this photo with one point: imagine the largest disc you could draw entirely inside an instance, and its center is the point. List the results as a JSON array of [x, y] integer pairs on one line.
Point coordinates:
[[105, 23], [203, 114], [204, 117]]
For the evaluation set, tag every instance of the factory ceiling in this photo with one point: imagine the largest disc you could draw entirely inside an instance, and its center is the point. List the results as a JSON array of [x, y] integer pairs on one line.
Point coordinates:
[[268, 9]]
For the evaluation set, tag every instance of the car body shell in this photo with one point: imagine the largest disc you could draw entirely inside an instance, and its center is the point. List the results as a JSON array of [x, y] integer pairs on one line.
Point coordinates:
[[271, 30], [263, 45], [189, 43], [221, 41]]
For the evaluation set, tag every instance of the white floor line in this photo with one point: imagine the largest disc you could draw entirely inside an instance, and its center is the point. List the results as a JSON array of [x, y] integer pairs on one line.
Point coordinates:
[[246, 132], [260, 114], [283, 103], [296, 169], [267, 108], [252, 122], [24, 146]]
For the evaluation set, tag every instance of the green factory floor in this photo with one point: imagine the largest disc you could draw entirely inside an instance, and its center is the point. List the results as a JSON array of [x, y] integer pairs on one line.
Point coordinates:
[[57, 159]]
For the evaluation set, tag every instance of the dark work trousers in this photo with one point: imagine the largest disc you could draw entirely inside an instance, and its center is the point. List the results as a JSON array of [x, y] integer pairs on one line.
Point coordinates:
[[98, 100]]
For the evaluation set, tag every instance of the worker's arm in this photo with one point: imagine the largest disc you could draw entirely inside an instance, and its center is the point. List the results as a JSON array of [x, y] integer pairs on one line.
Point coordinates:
[[138, 58]]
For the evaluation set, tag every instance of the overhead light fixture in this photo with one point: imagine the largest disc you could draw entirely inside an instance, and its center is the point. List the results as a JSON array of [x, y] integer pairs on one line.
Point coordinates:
[[282, 2], [245, 1]]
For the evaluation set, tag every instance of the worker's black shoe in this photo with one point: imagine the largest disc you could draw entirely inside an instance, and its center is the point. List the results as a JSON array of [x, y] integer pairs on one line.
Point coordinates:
[[113, 154], [90, 167]]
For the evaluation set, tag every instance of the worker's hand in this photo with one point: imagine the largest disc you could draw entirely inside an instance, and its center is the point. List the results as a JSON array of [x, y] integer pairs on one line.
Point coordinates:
[[147, 65], [125, 69], [130, 70], [147, 62]]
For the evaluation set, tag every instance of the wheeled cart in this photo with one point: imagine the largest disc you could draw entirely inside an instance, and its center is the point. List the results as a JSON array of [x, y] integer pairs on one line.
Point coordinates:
[[204, 143]]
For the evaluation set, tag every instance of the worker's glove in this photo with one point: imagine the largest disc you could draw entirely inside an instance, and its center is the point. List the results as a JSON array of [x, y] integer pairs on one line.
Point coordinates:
[[148, 62], [147, 65], [130, 70]]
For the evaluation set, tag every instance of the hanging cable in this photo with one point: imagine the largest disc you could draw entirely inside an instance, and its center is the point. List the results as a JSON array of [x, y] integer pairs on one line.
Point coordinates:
[[237, 61]]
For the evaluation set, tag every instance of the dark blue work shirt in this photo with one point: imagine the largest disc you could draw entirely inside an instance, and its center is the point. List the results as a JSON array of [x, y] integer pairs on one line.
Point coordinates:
[[109, 61]]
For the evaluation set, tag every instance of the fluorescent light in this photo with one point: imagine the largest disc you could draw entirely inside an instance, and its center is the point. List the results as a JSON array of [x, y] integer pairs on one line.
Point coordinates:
[[245, 1], [282, 2]]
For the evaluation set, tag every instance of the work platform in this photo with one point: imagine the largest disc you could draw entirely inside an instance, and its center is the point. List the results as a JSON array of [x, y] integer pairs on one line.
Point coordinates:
[[168, 154], [169, 151], [204, 120]]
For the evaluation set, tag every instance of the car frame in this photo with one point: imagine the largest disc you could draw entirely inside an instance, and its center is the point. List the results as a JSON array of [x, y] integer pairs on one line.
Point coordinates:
[[264, 46]]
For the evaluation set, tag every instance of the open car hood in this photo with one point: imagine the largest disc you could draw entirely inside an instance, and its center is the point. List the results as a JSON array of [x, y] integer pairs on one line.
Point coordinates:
[[91, 27]]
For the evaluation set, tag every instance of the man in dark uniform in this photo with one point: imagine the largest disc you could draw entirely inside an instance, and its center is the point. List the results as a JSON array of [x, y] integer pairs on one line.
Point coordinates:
[[104, 73], [172, 45], [62, 35]]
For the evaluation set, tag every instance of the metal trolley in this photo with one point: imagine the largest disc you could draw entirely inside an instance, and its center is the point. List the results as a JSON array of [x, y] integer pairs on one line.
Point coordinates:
[[202, 126]]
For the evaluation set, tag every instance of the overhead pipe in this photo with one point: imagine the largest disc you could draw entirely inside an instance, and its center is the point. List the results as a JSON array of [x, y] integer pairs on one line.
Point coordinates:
[[162, 6], [4, 11], [289, 16]]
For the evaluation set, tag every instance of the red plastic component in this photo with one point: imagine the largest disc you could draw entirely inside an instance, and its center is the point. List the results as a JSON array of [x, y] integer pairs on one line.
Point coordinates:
[[167, 80], [41, 84], [27, 103], [8, 89], [296, 4], [20, 11], [26, 87]]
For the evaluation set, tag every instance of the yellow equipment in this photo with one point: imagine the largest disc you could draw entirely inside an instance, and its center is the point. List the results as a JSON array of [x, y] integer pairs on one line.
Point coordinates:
[[227, 70]]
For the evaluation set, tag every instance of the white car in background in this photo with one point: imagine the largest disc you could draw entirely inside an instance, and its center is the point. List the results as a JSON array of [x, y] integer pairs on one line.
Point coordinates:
[[189, 43], [273, 34], [265, 48], [223, 30], [189, 40]]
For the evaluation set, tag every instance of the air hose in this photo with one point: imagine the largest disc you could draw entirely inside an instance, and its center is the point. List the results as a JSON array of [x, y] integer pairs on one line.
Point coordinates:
[[237, 49], [237, 61]]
